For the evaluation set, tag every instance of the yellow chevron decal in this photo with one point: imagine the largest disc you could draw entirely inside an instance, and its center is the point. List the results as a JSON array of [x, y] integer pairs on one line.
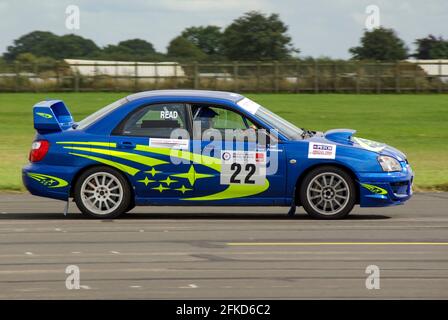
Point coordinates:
[[123, 155], [234, 191], [210, 162], [47, 180], [44, 115], [132, 171]]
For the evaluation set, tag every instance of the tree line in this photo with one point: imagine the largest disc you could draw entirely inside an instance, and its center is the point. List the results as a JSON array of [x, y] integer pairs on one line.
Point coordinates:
[[254, 36]]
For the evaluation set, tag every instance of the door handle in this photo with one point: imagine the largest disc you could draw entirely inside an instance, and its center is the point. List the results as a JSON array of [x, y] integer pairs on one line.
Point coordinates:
[[126, 145]]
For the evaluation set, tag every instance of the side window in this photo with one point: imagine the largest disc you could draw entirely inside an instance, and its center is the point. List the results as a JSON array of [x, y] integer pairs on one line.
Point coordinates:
[[157, 121], [220, 119]]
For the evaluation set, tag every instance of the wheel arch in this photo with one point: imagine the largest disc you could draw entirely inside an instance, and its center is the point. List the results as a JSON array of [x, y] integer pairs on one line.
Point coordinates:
[[300, 178], [84, 169]]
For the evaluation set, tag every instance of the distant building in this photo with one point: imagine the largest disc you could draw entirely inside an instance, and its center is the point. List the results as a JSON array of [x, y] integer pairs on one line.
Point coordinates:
[[149, 70], [434, 67]]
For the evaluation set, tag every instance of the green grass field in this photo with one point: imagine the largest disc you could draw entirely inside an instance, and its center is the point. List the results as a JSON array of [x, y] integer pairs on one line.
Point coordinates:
[[416, 124]]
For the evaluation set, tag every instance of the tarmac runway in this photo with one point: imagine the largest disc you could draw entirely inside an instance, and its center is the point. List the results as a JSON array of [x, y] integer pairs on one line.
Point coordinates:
[[222, 252]]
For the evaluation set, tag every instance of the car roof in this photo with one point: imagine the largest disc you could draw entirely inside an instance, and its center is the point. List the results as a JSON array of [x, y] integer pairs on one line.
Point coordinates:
[[230, 96]]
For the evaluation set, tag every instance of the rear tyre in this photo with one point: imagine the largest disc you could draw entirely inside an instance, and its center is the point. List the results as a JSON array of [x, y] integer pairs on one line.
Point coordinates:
[[103, 193], [328, 193]]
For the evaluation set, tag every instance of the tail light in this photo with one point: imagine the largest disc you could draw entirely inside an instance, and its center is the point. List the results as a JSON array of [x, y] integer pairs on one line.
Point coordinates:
[[38, 150]]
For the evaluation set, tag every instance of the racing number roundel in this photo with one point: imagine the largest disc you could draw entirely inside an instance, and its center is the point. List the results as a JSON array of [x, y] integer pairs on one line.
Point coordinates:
[[243, 167]]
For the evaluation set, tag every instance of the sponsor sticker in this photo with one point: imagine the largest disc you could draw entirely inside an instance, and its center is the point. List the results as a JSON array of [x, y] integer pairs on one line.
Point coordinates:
[[181, 144], [168, 114], [249, 105], [321, 151]]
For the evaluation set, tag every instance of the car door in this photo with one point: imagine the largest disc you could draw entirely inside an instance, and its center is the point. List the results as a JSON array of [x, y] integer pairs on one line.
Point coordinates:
[[147, 139], [245, 175]]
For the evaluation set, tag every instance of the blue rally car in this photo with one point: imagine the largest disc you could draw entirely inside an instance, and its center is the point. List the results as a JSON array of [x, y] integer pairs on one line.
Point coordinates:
[[184, 147]]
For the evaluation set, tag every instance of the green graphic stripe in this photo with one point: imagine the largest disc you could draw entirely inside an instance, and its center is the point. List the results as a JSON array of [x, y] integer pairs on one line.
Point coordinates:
[[374, 189], [44, 178], [123, 155], [90, 143], [210, 162], [44, 115], [132, 171], [234, 191]]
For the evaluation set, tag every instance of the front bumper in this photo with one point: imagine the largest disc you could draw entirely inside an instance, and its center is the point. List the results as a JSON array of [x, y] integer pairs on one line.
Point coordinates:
[[385, 188]]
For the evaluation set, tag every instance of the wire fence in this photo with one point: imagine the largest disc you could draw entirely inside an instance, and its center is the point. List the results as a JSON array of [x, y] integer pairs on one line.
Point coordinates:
[[295, 77]]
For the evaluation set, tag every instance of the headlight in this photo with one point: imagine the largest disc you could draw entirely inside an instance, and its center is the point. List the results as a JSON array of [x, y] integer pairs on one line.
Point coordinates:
[[389, 164]]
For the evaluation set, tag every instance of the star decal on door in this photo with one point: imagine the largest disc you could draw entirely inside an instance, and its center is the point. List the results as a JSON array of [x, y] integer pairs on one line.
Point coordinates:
[[146, 181], [153, 172], [160, 188], [168, 181], [192, 175], [183, 189]]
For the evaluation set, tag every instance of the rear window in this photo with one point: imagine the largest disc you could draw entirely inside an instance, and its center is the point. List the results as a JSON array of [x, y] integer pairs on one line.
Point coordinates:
[[100, 113]]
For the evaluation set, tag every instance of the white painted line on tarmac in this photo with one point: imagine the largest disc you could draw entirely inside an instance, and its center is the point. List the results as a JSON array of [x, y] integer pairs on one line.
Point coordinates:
[[29, 253], [190, 286], [284, 244]]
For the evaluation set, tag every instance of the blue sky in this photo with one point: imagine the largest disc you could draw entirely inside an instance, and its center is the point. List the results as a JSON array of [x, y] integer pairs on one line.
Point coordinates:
[[317, 27]]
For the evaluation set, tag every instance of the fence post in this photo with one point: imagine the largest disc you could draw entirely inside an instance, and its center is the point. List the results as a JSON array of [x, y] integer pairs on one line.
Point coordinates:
[[58, 75], [378, 77], [195, 75], [397, 77], [276, 77], [17, 78], [258, 76], [156, 72], [296, 89], [316, 77], [416, 77], [175, 74], [215, 78], [135, 76], [358, 76], [76, 82], [95, 74], [116, 77], [235, 76], [35, 71], [439, 87], [335, 77]]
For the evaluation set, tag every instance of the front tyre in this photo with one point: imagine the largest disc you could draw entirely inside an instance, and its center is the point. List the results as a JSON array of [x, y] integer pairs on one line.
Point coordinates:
[[102, 192], [328, 193]]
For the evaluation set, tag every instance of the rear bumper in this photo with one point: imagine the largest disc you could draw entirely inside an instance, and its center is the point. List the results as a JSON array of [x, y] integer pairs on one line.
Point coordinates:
[[48, 181], [385, 189]]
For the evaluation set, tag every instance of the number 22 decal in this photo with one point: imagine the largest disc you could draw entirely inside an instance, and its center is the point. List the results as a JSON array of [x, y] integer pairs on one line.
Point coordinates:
[[249, 170]]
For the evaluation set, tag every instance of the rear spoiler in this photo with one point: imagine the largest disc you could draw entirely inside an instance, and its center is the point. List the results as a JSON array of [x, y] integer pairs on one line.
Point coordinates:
[[51, 116]]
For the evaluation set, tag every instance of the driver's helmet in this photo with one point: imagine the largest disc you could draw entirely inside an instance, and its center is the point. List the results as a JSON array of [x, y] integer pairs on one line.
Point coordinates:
[[205, 115]]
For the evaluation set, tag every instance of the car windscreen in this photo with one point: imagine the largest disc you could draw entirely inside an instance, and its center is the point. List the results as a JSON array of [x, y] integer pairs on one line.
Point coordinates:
[[100, 113], [281, 125]]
